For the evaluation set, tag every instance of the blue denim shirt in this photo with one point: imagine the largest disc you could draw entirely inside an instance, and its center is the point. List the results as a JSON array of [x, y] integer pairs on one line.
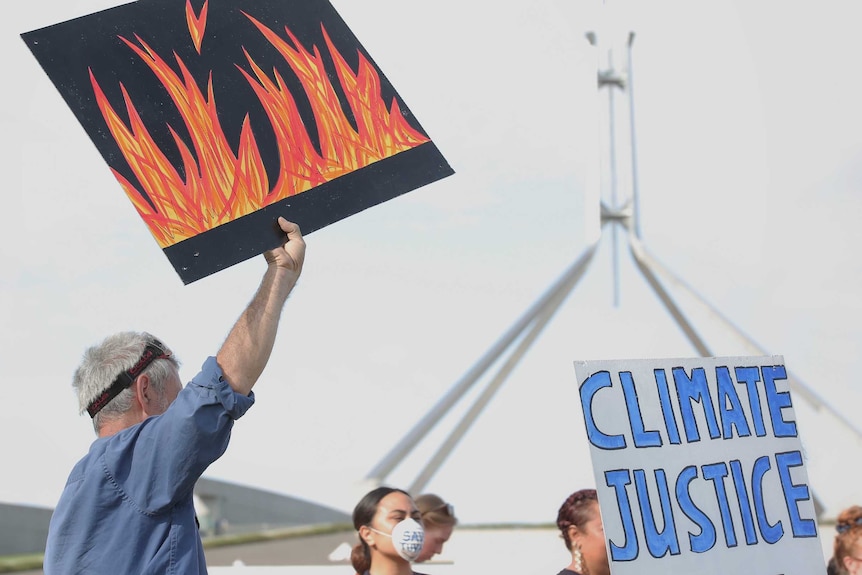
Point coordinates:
[[127, 506]]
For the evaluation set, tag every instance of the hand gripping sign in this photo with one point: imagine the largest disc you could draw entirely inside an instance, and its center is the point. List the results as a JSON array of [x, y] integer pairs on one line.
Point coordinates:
[[699, 466]]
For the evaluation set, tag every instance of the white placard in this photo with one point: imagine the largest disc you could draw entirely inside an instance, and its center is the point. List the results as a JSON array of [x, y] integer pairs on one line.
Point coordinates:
[[699, 467]]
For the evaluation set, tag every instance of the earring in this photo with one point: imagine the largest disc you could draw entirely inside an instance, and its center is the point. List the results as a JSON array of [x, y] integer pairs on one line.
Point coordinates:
[[578, 560]]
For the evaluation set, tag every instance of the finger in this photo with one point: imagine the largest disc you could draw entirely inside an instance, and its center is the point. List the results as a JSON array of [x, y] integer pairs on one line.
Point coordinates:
[[290, 228]]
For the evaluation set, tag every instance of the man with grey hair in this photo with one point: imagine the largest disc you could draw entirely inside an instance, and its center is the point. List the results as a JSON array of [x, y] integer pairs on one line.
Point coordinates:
[[128, 504]]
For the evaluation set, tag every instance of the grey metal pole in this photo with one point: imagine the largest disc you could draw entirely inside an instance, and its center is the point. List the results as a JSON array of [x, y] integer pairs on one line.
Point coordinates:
[[630, 89], [490, 390], [797, 385], [445, 403], [643, 264], [612, 163]]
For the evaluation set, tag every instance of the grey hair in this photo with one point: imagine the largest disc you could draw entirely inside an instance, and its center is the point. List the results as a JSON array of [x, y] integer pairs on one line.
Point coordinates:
[[102, 364]]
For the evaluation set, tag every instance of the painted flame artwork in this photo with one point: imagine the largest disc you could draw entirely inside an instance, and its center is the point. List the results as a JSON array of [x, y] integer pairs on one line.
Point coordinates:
[[221, 185], [216, 118]]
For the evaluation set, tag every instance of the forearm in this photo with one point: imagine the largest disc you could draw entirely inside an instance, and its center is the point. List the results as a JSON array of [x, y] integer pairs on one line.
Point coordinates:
[[248, 346]]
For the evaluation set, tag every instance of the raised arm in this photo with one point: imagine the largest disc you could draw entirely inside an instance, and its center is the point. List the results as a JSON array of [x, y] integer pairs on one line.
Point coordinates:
[[248, 346]]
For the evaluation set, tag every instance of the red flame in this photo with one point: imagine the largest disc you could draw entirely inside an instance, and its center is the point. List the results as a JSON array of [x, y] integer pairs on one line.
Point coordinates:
[[197, 23], [221, 185]]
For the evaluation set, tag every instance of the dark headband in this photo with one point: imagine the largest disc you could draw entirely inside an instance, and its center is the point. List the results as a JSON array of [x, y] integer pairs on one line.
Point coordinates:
[[846, 525], [153, 351]]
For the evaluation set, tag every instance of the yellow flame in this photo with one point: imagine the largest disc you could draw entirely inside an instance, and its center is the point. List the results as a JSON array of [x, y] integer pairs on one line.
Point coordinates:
[[197, 23], [218, 185]]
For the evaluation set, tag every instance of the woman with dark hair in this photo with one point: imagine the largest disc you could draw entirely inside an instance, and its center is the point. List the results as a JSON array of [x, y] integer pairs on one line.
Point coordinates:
[[390, 533], [438, 519], [580, 524]]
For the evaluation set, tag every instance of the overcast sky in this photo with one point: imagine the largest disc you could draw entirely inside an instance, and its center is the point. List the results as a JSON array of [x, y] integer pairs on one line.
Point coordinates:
[[749, 136]]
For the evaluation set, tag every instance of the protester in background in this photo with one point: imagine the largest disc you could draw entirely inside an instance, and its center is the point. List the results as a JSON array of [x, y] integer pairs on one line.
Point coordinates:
[[580, 524], [847, 548], [390, 533], [438, 519], [128, 504]]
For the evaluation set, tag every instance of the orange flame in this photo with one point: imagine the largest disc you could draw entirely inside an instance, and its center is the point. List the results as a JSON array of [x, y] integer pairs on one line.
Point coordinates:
[[197, 23], [219, 185]]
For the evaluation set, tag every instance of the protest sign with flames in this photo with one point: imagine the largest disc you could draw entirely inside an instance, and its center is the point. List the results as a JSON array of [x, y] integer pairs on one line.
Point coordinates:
[[215, 118]]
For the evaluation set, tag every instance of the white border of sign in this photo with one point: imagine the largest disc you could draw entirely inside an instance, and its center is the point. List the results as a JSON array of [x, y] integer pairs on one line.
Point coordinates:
[[699, 467]]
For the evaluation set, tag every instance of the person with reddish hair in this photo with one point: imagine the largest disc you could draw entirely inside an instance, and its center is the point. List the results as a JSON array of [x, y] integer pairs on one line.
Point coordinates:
[[438, 519], [847, 548], [580, 523], [387, 522]]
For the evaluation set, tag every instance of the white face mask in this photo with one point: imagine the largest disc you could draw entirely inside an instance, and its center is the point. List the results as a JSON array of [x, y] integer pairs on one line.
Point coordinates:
[[407, 536]]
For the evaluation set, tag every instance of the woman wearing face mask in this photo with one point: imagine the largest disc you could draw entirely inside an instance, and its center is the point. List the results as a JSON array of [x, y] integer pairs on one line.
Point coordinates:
[[390, 533], [580, 524]]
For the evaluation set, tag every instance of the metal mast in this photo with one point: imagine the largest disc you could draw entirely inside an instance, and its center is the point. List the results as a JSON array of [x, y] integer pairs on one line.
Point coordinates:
[[619, 211]]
